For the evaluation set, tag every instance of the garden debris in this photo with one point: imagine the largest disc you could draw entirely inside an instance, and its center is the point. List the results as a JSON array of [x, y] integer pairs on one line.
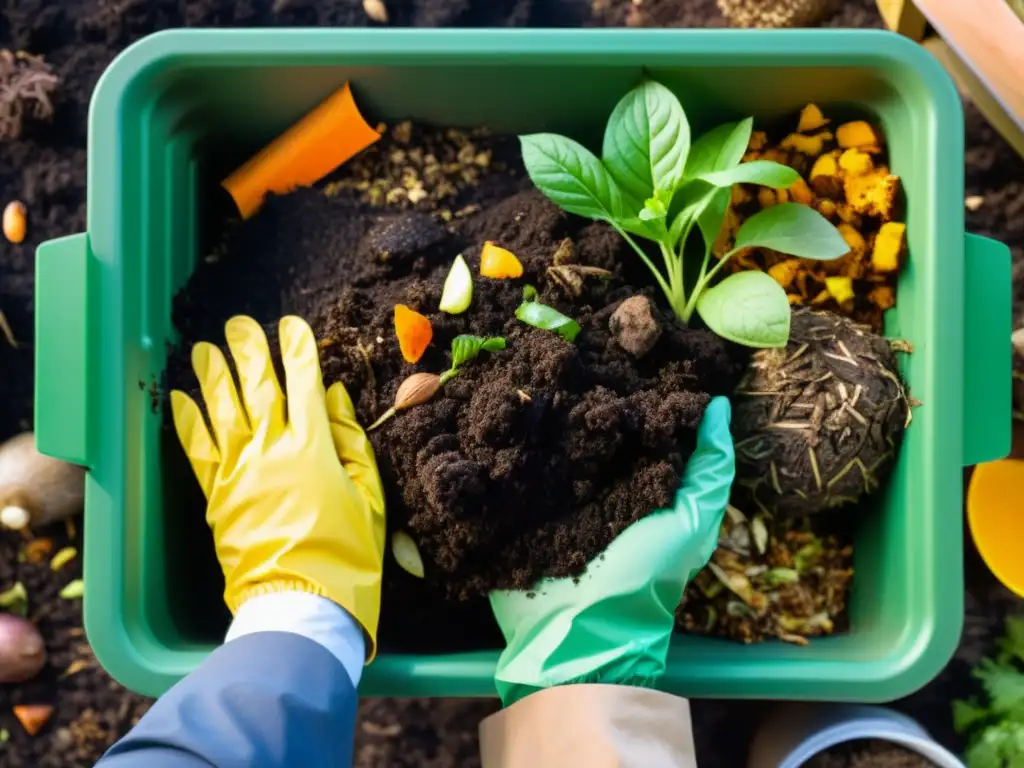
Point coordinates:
[[845, 177], [414, 332], [748, 595], [14, 224], [569, 277], [634, 326], [457, 294], [15, 600], [33, 717], [376, 10], [777, 14], [499, 263], [36, 489], [62, 558], [37, 550], [26, 87], [76, 666], [416, 166], [817, 424], [73, 590], [8, 333], [415, 390], [22, 650]]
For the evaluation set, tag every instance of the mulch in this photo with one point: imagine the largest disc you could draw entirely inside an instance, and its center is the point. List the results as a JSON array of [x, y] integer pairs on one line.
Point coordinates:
[[46, 170]]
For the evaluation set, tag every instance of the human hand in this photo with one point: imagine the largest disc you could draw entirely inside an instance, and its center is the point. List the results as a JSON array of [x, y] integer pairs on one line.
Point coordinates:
[[615, 623], [294, 498]]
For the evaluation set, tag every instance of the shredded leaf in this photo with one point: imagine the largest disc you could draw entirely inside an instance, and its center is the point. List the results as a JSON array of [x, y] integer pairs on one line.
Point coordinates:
[[63, 557], [73, 590]]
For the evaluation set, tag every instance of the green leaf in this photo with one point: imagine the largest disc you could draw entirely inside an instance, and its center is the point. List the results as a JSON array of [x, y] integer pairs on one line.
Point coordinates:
[[548, 319], [719, 149], [466, 347], [529, 293], [1013, 642], [15, 600], [967, 714], [653, 210], [573, 178], [73, 590], [1004, 686], [763, 172], [748, 308], [794, 229], [646, 141]]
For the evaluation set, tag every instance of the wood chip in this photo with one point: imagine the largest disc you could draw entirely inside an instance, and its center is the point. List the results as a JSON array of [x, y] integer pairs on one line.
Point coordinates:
[[973, 202], [75, 667], [5, 328]]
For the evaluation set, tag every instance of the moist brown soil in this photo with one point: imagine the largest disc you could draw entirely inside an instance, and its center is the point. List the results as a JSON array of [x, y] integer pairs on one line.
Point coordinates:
[[869, 754], [530, 461]]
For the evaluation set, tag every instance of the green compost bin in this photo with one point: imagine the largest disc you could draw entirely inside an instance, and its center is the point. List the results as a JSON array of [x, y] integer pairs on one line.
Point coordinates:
[[175, 107]]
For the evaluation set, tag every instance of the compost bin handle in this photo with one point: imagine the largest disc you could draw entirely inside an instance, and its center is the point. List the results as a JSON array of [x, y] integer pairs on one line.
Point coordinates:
[[987, 350], [62, 341]]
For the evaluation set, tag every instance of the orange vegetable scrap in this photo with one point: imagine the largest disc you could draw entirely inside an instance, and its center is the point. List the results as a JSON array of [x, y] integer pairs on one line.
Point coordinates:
[[325, 138], [33, 716], [414, 332], [499, 263], [845, 177]]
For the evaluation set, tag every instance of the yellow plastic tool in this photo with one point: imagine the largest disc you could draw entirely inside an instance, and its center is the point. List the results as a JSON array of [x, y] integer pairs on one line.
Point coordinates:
[[995, 514]]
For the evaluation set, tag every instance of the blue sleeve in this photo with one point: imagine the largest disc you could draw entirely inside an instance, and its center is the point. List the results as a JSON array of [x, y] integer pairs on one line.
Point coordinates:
[[263, 700]]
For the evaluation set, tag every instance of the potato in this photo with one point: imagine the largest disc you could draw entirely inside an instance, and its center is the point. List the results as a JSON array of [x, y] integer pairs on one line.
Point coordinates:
[[22, 651]]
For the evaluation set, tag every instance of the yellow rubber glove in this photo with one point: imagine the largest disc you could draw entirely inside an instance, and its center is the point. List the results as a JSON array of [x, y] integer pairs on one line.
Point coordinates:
[[286, 514]]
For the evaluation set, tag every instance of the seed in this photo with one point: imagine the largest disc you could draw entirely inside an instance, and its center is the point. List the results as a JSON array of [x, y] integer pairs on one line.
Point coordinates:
[[376, 11], [415, 390], [14, 221], [63, 557]]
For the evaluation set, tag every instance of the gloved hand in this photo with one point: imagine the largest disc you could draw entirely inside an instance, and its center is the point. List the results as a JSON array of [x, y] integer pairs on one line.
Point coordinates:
[[294, 499], [614, 625]]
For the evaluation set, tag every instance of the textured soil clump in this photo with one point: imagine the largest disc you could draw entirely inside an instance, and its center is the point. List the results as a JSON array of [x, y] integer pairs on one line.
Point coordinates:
[[530, 461], [869, 754]]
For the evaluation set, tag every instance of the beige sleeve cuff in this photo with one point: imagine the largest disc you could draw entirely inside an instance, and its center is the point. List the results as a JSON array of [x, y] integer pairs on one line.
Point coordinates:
[[596, 726]]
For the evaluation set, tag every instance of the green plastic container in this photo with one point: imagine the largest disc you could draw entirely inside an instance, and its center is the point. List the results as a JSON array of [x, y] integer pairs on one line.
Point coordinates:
[[181, 107]]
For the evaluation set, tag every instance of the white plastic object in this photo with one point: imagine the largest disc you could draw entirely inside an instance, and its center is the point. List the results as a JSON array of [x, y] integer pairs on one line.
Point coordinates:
[[797, 732]]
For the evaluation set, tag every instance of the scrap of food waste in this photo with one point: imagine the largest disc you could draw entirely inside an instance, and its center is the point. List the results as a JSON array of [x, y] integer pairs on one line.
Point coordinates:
[[845, 176], [769, 580], [27, 84]]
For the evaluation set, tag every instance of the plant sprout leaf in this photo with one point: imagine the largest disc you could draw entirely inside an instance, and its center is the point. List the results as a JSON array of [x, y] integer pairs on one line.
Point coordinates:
[[457, 293], [719, 149], [792, 228], [15, 600], [763, 172], [548, 319], [466, 347], [573, 178], [406, 553], [748, 308], [646, 141]]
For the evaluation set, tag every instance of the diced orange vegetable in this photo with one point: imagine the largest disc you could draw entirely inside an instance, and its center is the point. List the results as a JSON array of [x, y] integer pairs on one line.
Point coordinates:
[[873, 194], [890, 245], [738, 195], [776, 155], [801, 193], [325, 138], [882, 297], [854, 239], [859, 134], [841, 289], [855, 162], [795, 299], [825, 178], [827, 208], [811, 146], [822, 297], [784, 272], [782, 195], [414, 332], [811, 119], [758, 140], [499, 263], [766, 197]]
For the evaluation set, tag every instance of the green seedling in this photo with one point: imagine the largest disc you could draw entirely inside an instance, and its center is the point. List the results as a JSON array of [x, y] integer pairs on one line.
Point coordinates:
[[466, 348], [650, 182]]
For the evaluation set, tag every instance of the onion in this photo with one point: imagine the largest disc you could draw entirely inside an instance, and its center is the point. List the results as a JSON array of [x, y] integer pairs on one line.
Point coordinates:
[[22, 651], [36, 489]]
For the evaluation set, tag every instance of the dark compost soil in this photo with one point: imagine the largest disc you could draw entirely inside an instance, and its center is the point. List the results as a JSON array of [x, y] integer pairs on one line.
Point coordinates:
[[45, 169], [529, 462], [868, 754]]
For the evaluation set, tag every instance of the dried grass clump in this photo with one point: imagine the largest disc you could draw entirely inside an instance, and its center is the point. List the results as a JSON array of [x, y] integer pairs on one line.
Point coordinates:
[[775, 14], [26, 85]]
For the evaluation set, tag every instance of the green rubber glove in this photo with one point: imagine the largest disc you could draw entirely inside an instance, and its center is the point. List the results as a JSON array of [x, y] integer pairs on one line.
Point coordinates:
[[614, 624]]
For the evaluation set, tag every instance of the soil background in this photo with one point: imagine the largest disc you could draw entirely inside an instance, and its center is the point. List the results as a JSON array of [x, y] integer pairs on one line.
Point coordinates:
[[46, 170]]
